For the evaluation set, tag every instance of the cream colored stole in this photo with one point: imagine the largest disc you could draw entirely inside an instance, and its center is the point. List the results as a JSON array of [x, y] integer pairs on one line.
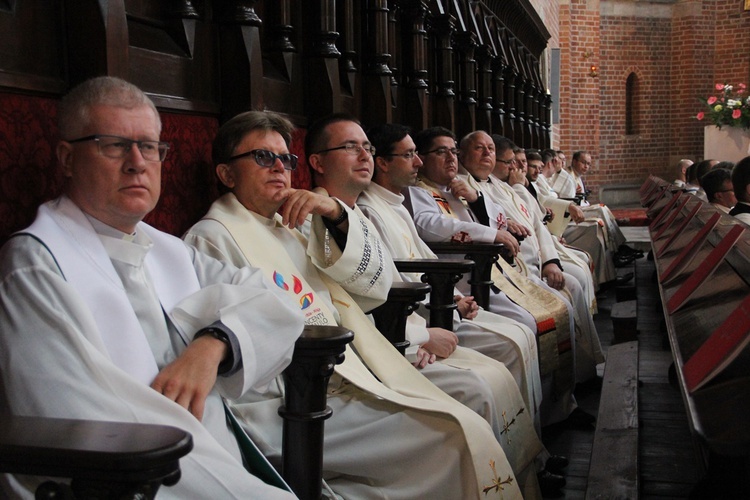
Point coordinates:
[[404, 243], [548, 310], [401, 383]]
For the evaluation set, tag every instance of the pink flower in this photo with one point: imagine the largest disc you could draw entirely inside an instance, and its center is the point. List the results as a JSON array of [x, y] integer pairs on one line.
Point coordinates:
[[742, 86], [719, 86], [711, 100], [736, 113], [700, 115]]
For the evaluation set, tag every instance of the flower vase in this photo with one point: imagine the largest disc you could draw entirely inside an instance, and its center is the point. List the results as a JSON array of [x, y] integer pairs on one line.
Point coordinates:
[[726, 143]]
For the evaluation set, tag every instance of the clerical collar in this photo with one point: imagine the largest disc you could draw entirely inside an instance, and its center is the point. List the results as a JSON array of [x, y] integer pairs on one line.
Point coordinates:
[[386, 194], [106, 230], [486, 181], [124, 247]]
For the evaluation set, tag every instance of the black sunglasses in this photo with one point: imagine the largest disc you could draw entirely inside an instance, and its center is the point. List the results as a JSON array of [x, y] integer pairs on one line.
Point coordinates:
[[266, 158]]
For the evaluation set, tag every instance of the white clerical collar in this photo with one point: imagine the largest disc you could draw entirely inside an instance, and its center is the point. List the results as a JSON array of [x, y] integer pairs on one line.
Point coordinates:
[[124, 247], [388, 195]]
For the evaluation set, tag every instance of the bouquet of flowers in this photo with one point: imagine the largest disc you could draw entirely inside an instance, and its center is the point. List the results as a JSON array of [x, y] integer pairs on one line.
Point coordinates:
[[730, 106]]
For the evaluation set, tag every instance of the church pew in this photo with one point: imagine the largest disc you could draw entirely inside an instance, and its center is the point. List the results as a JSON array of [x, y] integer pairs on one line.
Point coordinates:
[[102, 459], [702, 262], [485, 256], [390, 317], [442, 276]]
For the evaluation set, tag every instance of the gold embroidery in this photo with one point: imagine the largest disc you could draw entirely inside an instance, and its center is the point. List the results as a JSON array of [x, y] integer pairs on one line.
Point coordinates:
[[497, 484]]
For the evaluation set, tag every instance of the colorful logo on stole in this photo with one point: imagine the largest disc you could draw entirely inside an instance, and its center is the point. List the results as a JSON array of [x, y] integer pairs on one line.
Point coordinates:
[[305, 300]]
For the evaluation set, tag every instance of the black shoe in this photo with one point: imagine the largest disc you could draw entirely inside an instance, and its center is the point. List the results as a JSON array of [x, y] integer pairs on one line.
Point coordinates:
[[556, 464], [621, 280], [626, 251], [579, 419], [550, 484], [623, 260]]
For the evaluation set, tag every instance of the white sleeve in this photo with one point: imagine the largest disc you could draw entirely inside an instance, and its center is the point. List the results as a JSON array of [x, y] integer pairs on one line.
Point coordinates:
[[265, 322], [433, 226], [364, 269]]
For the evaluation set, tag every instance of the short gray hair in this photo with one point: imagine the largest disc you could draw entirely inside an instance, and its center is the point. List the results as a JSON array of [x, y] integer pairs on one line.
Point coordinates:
[[74, 113]]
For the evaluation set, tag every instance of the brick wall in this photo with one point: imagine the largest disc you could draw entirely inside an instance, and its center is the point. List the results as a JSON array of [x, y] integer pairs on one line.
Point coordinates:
[[677, 50]]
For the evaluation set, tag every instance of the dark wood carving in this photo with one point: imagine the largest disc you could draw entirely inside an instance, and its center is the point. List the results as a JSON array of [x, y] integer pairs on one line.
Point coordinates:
[[103, 459], [317, 351], [442, 276], [390, 318]]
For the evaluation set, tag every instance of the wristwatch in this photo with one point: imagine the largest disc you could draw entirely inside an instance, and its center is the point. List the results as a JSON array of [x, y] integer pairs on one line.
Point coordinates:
[[219, 334], [341, 218]]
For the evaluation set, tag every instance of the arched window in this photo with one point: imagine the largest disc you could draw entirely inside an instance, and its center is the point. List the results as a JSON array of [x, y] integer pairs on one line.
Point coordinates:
[[631, 104]]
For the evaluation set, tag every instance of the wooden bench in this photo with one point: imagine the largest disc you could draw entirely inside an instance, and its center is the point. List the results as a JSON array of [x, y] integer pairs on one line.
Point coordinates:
[[702, 259], [613, 472]]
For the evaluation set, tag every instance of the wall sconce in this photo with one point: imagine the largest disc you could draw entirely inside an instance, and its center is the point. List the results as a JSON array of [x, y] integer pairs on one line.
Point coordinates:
[[593, 69]]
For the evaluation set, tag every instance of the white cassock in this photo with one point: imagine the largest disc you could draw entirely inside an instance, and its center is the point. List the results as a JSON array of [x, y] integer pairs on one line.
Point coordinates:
[[432, 225], [538, 249], [439, 216], [80, 343], [386, 433], [588, 235], [574, 261], [505, 340], [547, 198], [563, 184], [614, 236], [721, 208]]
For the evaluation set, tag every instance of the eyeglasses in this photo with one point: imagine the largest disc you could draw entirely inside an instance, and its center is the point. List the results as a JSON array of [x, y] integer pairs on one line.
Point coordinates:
[[265, 158], [113, 146], [352, 149], [408, 155], [507, 162], [443, 151]]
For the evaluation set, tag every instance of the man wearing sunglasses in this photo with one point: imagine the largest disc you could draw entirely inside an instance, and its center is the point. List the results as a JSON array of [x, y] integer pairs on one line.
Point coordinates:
[[386, 417], [106, 316]]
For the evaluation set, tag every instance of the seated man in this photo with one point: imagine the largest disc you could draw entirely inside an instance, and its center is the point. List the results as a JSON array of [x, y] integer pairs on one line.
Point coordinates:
[[105, 315], [540, 260], [381, 426], [561, 181], [587, 235], [681, 177], [615, 240], [717, 184], [693, 175], [441, 213], [396, 167], [741, 184], [503, 339]]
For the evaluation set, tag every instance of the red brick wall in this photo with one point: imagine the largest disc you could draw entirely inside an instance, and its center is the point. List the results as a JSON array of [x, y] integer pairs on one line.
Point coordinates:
[[639, 46], [678, 51], [579, 93]]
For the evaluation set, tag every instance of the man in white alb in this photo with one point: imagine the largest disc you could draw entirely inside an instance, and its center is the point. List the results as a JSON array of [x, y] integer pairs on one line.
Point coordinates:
[[108, 318], [381, 426]]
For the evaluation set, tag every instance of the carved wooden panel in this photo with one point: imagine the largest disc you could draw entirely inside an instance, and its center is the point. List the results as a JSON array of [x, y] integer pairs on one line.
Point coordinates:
[[31, 52]]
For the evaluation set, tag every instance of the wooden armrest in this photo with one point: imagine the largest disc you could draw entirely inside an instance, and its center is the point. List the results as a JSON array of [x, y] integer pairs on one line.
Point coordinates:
[[390, 318], [442, 275], [317, 351], [103, 459], [484, 255]]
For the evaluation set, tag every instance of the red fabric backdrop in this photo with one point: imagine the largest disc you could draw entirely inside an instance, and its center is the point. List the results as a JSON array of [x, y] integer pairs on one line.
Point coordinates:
[[29, 175]]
